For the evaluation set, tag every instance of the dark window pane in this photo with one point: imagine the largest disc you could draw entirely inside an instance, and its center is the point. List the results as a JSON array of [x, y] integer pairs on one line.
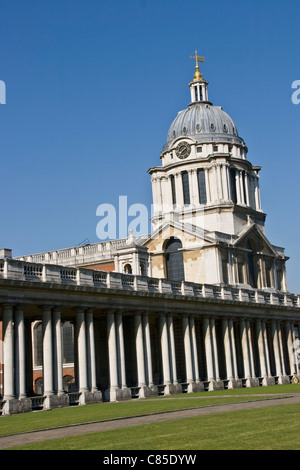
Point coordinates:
[[185, 187], [233, 186], [173, 190], [68, 343], [39, 345], [174, 260], [202, 187]]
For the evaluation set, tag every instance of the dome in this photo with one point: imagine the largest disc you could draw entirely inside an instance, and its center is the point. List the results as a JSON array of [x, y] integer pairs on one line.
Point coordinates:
[[204, 123]]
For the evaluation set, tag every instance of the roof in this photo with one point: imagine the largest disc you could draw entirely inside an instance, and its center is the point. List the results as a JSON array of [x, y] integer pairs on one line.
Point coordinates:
[[205, 123]]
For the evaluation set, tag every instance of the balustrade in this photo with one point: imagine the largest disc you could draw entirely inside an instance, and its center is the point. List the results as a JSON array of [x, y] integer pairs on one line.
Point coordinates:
[[20, 270]]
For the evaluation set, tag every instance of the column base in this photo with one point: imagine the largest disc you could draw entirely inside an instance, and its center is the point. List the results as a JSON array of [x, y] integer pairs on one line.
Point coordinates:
[[87, 397], [251, 382], [195, 387], [170, 389], [268, 381], [234, 383], [55, 401], [283, 379], [215, 385], [15, 405], [117, 394], [145, 391]]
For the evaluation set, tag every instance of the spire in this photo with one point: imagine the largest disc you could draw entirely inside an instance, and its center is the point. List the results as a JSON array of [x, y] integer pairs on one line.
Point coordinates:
[[198, 86], [197, 74]]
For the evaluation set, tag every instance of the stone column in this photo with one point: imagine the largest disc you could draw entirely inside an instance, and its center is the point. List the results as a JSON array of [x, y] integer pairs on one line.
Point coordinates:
[[242, 186], [140, 357], [177, 386], [194, 186], [289, 337], [277, 350], [149, 370], [82, 353], [47, 351], [207, 185], [224, 170], [91, 356], [219, 183], [233, 348], [28, 357], [187, 351], [263, 353], [121, 350], [179, 190], [246, 352], [208, 351], [282, 344], [267, 353], [165, 352], [112, 357], [20, 353], [215, 349], [194, 349], [254, 381], [166, 194], [57, 353], [8, 353], [228, 355]]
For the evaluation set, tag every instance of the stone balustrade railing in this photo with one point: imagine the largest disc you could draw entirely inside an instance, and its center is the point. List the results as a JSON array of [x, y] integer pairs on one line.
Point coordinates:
[[13, 269], [102, 250]]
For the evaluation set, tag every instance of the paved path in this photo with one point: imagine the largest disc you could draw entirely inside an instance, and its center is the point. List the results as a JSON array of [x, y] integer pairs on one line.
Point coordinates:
[[85, 428]]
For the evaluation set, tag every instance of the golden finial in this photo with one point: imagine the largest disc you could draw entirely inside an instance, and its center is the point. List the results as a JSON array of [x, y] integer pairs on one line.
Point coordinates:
[[197, 74]]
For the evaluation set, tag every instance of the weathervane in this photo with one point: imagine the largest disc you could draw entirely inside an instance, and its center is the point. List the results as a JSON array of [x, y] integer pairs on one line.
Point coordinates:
[[197, 75]]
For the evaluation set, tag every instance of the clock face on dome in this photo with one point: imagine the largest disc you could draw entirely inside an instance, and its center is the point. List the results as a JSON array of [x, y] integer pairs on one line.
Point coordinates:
[[183, 150]]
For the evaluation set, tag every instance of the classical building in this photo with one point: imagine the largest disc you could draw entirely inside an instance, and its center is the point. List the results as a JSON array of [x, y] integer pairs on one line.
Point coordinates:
[[200, 303]]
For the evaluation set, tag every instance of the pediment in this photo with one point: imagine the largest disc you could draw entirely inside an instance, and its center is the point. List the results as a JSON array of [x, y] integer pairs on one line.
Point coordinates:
[[255, 237], [191, 236]]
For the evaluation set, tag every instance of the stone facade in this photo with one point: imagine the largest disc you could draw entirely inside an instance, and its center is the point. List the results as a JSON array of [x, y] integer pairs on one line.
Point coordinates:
[[199, 304]]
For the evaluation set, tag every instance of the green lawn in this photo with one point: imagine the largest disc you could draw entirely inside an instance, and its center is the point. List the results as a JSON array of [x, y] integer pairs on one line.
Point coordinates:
[[280, 423], [273, 428]]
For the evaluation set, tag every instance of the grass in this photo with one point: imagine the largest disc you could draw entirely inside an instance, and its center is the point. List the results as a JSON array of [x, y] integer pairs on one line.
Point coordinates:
[[279, 424], [274, 428]]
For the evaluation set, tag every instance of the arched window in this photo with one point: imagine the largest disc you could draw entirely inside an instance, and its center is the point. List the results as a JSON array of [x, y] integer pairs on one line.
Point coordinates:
[[142, 269], [128, 269], [38, 344], [174, 260]]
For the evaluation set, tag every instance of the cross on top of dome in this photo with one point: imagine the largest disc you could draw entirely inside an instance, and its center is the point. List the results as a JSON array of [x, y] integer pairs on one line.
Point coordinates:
[[197, 74]]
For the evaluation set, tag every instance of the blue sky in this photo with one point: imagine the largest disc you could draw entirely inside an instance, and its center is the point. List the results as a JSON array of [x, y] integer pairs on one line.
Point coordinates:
[[92, 87]]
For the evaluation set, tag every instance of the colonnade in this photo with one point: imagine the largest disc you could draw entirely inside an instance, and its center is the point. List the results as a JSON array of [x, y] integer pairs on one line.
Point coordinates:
[[217, 186], [234, 351]]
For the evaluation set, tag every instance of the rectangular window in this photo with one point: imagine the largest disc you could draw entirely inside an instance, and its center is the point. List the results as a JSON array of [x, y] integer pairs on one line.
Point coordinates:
[[199, 149], [215, 148], [173, 190], [185, 187], [233, 185], [225, 270], [202, 186]]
